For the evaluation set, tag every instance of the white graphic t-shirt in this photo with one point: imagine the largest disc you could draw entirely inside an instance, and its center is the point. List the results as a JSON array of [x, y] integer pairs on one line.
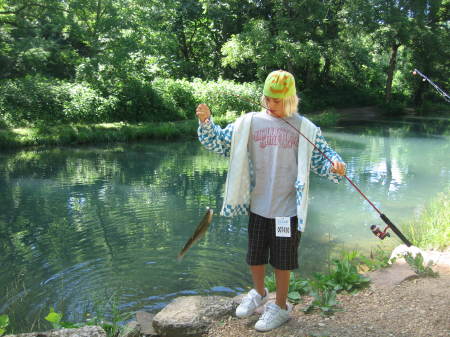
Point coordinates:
[[273, 147]]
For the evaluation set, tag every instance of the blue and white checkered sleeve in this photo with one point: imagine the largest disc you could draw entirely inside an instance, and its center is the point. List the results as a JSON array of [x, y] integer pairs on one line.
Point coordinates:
[[214, 138], [319, 164]]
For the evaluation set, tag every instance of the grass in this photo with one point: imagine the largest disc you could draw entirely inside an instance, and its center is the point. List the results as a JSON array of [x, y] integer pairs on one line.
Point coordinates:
[[431, 229], [72, 134]]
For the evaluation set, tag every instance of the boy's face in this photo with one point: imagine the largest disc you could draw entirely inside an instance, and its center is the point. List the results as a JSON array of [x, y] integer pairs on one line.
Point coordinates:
[[275, 106]]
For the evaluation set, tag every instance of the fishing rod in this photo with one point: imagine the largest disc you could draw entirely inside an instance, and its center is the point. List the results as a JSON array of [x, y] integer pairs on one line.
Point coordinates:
[[439, 90], [375, 229]]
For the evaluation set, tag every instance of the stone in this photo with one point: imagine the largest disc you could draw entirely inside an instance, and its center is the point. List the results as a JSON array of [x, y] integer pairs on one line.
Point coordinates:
[[392, 276], [86, 331], [145, 321], [191, 316], [400, 251]]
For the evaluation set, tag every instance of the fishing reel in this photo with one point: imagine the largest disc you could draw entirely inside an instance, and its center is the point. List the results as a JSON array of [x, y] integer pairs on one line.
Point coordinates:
[[378, 232]]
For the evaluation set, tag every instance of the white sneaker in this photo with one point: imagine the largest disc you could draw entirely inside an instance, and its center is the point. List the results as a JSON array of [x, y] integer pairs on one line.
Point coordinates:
[[273, 317], [250, 302]]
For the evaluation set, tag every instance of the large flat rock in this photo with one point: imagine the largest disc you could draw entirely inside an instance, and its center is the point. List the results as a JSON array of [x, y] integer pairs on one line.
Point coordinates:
[[190, 316], [86, 331]]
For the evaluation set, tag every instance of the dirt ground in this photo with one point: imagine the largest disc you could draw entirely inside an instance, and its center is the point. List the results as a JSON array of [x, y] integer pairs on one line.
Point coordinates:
[[417, 307]]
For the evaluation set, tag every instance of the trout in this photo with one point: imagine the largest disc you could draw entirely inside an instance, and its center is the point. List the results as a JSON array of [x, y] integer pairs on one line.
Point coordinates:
[[199, 232]]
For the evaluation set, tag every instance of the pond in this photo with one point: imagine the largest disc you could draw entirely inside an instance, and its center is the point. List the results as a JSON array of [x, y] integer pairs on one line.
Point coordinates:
[[96, 230]]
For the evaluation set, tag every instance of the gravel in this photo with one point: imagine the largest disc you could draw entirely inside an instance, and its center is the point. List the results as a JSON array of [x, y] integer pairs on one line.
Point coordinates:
[[415, 308]]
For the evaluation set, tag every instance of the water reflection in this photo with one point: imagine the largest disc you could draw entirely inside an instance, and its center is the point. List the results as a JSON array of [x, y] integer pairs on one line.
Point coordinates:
[[79, 226]]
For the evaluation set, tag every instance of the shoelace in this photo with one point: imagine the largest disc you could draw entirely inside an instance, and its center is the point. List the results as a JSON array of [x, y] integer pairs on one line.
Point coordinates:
[[269, 312], [248, 299]]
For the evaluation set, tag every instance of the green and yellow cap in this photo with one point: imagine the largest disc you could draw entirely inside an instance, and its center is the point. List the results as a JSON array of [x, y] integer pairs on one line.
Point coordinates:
[[279, 84]]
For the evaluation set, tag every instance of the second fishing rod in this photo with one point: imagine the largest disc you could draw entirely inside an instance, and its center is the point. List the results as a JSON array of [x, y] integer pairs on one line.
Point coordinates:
[[375, 230]]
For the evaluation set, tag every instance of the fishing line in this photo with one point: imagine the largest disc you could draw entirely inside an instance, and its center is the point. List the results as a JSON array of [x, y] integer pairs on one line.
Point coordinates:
[[375, 230], [439, 90]]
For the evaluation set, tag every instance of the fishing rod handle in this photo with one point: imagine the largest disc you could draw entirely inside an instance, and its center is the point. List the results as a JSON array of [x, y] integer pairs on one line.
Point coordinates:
[[395, 229]]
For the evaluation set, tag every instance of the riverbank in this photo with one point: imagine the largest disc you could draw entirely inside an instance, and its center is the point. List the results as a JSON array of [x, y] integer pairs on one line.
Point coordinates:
[[417, 307], [76, 134]]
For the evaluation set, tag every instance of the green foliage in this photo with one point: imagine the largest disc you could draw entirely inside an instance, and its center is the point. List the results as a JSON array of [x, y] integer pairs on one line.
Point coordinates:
[[177, 96], [55, 320], [224, 96], [270, 282], [4, 322], [345, 276], [417, 264], [324, 296], [323, 288], [431, 230], [377, 259], [297, 288]]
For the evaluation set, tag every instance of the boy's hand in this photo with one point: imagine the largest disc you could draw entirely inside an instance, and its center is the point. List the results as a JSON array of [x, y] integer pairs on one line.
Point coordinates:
[[338, 168], [203, 112]]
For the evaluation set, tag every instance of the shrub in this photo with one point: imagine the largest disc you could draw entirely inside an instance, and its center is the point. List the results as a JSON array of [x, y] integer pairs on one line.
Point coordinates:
[[86, 105], [223, 96], [177, 96], [33, 98]]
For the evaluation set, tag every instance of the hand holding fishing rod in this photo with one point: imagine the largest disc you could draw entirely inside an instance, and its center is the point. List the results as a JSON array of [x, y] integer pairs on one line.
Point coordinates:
[[203, 112]]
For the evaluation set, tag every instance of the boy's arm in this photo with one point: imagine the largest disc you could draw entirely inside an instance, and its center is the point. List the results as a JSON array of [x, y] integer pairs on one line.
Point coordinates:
[[214, 138], [319, 164]]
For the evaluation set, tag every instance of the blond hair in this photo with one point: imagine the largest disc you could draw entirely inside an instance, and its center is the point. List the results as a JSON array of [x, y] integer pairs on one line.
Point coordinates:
[[290, 104]]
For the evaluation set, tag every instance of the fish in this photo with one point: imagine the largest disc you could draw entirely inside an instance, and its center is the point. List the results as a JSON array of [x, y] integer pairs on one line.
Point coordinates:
[[199, 232]]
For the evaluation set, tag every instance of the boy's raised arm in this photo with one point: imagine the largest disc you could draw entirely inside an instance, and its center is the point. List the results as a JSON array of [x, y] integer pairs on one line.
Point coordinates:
[[212, 136]]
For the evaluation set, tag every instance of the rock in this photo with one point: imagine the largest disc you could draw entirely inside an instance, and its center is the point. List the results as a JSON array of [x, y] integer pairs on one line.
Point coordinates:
[[145, 321], [191, 315], [86, 331], [392, 276], [399, 252]]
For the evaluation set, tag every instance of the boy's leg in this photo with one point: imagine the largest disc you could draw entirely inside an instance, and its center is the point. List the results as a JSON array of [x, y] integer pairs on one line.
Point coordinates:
[[258, 273], [282, 280]]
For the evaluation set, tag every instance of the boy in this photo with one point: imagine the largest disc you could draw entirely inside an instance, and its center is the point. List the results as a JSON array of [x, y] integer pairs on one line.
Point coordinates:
[[268, 179]]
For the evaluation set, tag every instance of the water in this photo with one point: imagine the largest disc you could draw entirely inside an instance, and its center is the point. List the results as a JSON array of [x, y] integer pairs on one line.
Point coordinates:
[[97, 229]]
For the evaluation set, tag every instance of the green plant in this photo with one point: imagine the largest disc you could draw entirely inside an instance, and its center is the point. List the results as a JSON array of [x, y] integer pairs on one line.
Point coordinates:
[[345, 276], [377, 259], [431, 230], [4, 322], [297, 288], [324, 296], [270, 282], [55, 320], [417, 264]]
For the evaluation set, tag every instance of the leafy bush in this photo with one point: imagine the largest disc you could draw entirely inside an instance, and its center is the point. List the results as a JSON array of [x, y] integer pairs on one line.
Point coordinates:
[[223, 96], [177, 96], [86, 105], [33, 98]]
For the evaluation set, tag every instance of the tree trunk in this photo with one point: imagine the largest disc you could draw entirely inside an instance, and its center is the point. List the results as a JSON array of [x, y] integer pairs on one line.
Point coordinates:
[[390, 72]]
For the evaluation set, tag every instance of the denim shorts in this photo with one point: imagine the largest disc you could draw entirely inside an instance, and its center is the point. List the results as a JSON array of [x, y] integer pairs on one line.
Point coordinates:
[[264, 247]]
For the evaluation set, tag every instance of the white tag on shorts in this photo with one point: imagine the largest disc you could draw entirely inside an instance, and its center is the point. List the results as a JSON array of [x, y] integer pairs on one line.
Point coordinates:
[[283, 227]]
